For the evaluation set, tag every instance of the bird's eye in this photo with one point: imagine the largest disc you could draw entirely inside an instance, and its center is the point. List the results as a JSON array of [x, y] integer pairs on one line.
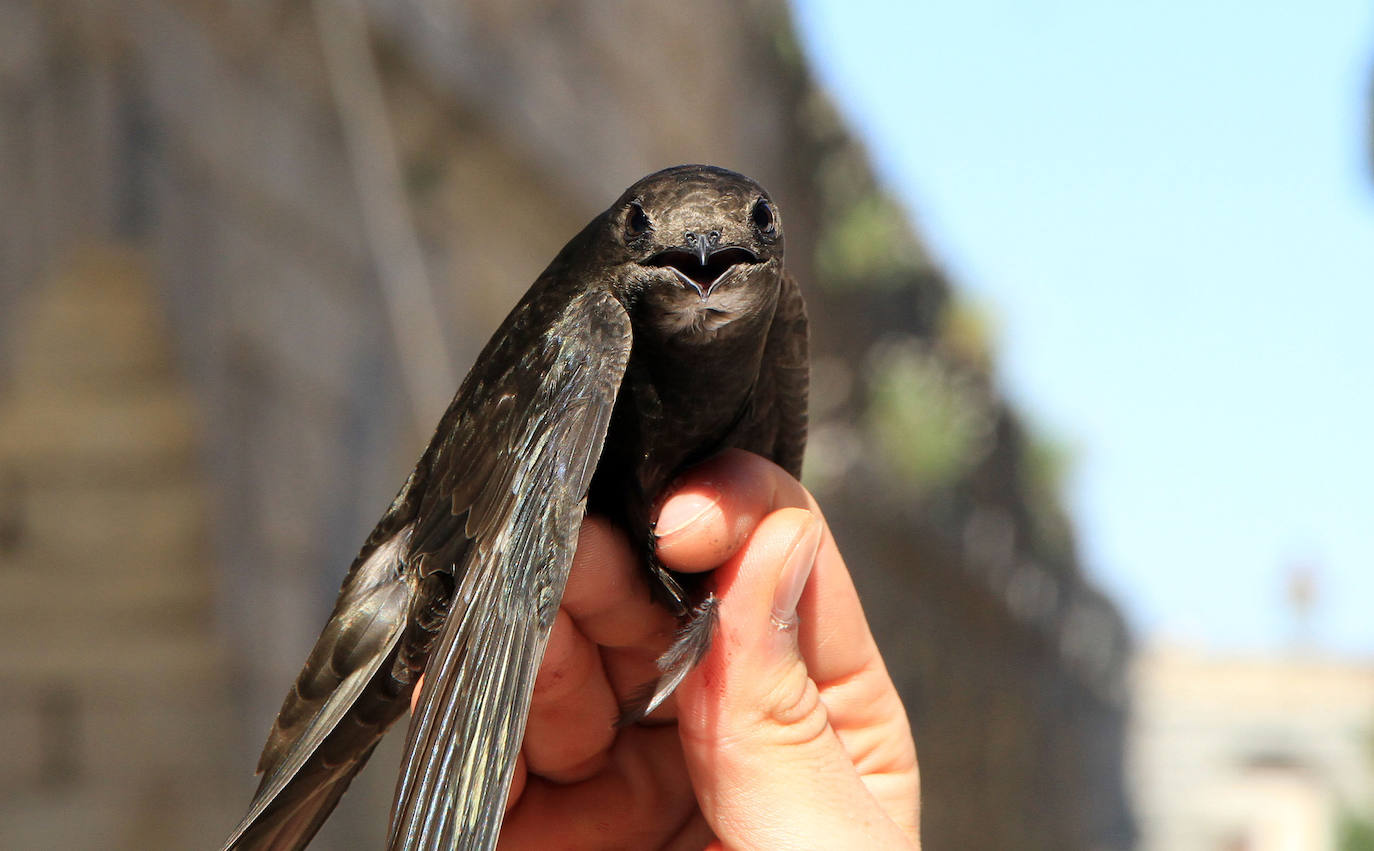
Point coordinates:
[[763, 218], [637, 222]]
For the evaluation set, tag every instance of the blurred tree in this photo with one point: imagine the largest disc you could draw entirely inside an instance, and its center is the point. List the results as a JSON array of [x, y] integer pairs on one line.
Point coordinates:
[[1355, 833], [966, 335], [1355, 825], [869, 244], [930, 421]]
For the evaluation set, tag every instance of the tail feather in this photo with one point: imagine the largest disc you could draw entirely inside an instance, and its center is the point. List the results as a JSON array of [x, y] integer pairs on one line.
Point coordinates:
[[692, 643]]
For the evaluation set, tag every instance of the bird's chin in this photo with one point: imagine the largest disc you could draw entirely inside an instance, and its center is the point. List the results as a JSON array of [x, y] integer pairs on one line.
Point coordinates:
[[695, 321], [690, 318], [688, 312]]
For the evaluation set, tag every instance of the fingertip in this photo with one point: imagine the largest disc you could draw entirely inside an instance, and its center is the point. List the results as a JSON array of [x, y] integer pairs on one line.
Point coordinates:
[[796, 570], [712, 508], [693, 532], [692, 503]]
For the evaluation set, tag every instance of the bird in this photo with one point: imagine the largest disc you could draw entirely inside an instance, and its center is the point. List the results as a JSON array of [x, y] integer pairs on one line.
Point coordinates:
[[667, 330]]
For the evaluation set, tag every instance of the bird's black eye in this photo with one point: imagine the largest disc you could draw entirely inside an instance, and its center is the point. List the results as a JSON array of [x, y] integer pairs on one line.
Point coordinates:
[[637, 221], [763, 218]]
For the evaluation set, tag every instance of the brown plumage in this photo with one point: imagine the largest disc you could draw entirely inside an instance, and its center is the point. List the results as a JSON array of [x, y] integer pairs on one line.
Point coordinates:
[[664, 332]]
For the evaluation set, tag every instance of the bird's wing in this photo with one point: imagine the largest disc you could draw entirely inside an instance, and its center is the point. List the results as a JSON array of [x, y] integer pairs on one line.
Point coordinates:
[[486, 524], [781, 394], [299, 784], [518, 466]]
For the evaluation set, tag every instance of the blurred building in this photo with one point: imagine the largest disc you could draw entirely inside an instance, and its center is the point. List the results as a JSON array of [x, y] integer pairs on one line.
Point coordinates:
[[215, 223], [1250, 753]]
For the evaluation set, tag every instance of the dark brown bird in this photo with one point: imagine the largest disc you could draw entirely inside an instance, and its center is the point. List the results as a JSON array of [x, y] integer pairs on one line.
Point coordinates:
[[664, 332]]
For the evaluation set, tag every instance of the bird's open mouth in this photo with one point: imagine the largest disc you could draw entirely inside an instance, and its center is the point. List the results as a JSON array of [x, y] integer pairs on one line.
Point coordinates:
[[702, 276]]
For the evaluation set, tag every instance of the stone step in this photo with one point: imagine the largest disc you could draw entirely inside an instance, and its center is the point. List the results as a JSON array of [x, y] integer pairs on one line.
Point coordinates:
[[84, 655], [82, 733], [112, 599], [98, 526], [159, 813], [134, 426], [97, 319]]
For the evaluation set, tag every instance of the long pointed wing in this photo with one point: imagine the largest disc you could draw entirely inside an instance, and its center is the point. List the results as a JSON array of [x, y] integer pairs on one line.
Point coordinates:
[[300, 784], [788, 363], [775, 426], [518, 466]]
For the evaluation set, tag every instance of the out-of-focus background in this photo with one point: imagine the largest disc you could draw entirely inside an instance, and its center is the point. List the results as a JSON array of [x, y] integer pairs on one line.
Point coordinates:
[[1088, 289]]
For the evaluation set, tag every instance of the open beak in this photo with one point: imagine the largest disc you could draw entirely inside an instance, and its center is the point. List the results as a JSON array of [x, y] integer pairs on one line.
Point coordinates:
[[702, 268]]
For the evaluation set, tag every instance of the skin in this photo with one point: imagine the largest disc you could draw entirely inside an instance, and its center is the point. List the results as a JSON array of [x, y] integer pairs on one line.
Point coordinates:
[[781, 738]]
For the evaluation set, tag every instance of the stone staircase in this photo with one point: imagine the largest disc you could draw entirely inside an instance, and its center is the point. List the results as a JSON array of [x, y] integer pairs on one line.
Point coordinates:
[[113, 713]]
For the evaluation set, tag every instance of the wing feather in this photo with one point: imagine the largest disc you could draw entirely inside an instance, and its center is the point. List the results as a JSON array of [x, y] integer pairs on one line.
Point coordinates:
[[780, 421], [542, 434], [361, 635], [471, 555]]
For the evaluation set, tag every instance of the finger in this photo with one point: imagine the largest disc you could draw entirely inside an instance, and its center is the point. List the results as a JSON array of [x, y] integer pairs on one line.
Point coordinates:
[[769, 768], [837, 643], [517, 782], [835, 640], [714, 506], [572, 710], [607, 595], [611, 604], [861, 701], [695, 835], [640, 799]]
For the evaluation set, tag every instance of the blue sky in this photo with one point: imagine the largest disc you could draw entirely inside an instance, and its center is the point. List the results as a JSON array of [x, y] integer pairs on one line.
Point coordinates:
[[1168, 210]]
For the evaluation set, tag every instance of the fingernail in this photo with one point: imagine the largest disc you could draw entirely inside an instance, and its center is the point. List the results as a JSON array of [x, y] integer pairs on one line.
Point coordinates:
[[684, 509], [800, 559]]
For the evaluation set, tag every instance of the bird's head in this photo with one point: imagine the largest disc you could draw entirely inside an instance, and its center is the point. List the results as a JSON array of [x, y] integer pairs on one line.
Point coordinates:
[[701, 248]]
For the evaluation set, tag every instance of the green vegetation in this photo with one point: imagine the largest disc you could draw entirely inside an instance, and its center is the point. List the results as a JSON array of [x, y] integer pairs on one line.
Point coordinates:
[[1355, 827], [933, 424], [1354, 833], [965, 335], [868, 244]]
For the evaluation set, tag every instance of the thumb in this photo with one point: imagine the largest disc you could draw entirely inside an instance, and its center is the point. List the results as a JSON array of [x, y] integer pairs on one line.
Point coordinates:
[[768, 769]]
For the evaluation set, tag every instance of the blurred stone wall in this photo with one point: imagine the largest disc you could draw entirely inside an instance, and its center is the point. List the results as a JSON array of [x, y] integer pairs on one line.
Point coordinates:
[[198, 144], [113, 711]]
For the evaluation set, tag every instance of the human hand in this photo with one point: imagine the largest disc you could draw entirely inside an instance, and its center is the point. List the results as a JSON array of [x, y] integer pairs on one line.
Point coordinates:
[[789, 734]]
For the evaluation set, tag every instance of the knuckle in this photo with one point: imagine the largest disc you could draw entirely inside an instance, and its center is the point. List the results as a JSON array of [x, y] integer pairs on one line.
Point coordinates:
[[793, 708]]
